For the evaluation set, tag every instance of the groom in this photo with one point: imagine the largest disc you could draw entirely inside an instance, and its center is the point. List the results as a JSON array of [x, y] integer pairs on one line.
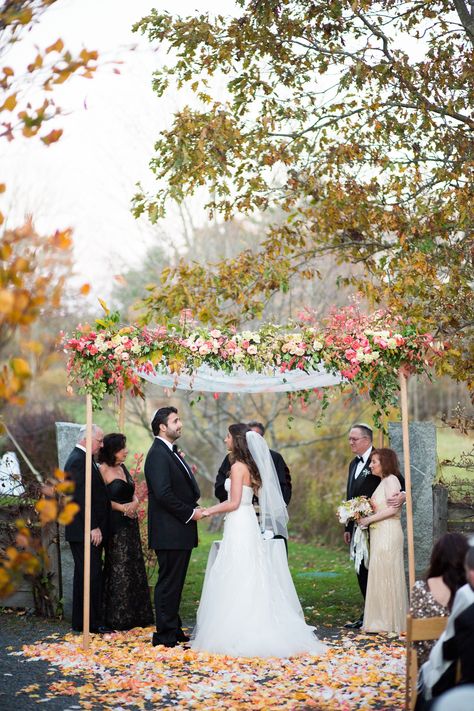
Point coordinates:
[[172, 514]]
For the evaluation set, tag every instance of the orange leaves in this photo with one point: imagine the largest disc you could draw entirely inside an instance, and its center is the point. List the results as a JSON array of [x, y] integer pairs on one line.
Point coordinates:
[[37, 64], [47, 509], [30, 285], [353, 674], [87, 56], [7, 301], [67, 514], [58, 46], [62, 239], [20, 368], [52, 137], [9, 104]]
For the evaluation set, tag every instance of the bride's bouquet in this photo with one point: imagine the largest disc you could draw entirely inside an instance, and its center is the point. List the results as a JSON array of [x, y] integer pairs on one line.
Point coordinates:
[[353, 510]]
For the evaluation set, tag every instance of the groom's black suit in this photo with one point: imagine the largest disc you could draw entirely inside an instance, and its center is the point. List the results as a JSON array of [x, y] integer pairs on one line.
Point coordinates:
[[172, 497]]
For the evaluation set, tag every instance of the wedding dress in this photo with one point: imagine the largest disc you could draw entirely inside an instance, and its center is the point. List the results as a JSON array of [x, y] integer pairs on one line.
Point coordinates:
[[249, 606]]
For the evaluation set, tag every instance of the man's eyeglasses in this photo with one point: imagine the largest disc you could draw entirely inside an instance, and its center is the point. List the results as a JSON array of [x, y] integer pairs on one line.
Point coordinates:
[[356, 439]]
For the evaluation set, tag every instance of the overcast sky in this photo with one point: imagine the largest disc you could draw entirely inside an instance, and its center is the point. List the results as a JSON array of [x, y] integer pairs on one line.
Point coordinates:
[[87, 179]]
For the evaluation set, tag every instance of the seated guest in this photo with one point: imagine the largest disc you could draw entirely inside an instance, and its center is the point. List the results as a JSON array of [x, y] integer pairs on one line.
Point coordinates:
[[438, 674], [460, 647], [126, 599], [461, 698], [434, 596]]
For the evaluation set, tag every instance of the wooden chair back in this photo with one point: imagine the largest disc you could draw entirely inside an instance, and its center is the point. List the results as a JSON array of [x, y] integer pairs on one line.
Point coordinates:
[[419, 629]]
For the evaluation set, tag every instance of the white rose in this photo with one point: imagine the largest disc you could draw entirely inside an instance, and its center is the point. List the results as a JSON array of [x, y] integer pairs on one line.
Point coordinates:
[[252, 350], [317, 345]]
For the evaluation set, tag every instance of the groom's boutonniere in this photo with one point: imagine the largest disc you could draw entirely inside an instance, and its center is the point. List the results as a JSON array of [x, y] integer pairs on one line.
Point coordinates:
[[365, 472]]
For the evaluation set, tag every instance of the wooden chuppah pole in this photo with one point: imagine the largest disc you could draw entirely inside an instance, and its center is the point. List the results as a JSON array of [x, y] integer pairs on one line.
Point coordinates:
[[87, 526], [403, 380]]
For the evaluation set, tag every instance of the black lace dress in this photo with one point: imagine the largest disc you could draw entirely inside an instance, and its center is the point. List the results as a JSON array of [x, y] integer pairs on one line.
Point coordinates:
[[126, 597]]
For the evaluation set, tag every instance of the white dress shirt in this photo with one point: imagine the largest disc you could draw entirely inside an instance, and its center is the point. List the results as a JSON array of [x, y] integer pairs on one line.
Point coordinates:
[[361, 464]]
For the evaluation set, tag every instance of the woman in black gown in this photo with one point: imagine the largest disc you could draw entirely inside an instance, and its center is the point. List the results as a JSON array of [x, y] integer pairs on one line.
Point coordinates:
[[126, 597]]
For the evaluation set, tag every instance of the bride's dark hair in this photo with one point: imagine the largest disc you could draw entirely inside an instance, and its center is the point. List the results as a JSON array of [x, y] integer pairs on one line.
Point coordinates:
[[240, 453]]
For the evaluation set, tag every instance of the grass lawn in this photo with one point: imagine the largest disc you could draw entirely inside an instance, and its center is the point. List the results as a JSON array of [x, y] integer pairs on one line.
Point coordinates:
[[324, 578], [451, 445]]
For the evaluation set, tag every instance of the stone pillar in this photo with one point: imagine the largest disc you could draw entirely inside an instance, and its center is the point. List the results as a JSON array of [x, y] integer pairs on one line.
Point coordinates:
[[66, 438], [423, 464]]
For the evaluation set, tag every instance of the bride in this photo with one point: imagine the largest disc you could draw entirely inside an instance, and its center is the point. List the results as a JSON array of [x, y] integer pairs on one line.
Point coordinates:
[[249, 606]]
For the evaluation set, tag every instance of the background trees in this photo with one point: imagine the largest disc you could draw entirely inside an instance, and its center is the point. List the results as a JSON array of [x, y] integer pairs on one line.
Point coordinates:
[[33, 267], [352, 118]]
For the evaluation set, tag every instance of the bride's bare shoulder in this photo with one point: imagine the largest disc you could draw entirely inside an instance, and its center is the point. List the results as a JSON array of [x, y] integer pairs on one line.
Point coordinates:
[[238, 469], [240, 472]]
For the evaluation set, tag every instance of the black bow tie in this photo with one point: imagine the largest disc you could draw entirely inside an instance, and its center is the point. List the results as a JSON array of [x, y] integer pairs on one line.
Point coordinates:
[[175, 448], [360, 459]]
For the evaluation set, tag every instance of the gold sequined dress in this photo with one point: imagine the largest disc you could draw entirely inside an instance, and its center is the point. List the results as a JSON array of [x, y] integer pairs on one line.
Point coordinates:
[[386, 603]]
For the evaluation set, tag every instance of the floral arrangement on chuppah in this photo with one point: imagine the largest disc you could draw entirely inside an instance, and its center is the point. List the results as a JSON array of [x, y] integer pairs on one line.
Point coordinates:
[[367, 350]]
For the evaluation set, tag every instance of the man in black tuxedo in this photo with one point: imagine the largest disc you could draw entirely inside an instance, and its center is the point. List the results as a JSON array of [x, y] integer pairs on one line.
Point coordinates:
[[75, 469], [281, 467], [172, 514], [361, 482]]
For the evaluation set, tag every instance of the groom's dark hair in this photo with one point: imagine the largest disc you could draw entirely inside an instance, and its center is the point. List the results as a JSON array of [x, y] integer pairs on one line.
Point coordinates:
[[161, 418]]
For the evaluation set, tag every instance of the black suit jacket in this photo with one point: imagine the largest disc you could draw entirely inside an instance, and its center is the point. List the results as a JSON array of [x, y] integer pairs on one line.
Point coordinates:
[[75, 469], [461, 644], [282, 471], [172, 496]]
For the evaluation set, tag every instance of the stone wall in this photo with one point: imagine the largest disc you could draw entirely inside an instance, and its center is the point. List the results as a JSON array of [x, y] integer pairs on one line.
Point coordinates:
[[66, 435], [423, 464]]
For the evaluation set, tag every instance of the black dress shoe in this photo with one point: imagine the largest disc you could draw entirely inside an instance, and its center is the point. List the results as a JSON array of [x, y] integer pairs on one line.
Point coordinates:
[[354, 625], [102, 629], [157, 642], [182, 638]]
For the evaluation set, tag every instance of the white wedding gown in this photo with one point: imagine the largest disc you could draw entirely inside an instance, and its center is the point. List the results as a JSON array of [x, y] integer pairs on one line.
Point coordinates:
[[249, 606]]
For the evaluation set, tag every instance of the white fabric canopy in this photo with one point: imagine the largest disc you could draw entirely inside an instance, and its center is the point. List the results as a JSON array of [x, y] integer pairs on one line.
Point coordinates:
[[206, 379]]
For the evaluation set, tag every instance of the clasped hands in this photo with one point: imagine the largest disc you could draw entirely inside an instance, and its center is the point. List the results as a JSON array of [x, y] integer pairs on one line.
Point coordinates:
[[200, 513], [131, 509]]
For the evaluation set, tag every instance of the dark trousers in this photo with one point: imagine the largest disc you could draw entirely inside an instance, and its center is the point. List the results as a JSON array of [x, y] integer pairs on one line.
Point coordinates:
[[362, 576], [95, 617], [173, 566]]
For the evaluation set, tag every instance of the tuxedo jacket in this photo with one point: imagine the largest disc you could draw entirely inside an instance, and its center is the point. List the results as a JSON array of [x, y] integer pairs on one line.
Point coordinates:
[[364, 485], [75, 469], [282, 471], [461, 645], [172, 497]]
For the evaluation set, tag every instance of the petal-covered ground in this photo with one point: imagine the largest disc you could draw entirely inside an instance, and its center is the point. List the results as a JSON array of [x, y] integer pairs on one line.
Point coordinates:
[[123, 670]]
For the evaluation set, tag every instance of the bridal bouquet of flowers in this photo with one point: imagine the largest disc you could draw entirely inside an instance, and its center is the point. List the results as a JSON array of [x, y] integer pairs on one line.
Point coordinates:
[[353, 510]]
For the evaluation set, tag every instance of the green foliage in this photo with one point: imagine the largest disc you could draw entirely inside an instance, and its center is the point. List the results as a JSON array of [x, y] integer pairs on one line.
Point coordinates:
[[354, 118]]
